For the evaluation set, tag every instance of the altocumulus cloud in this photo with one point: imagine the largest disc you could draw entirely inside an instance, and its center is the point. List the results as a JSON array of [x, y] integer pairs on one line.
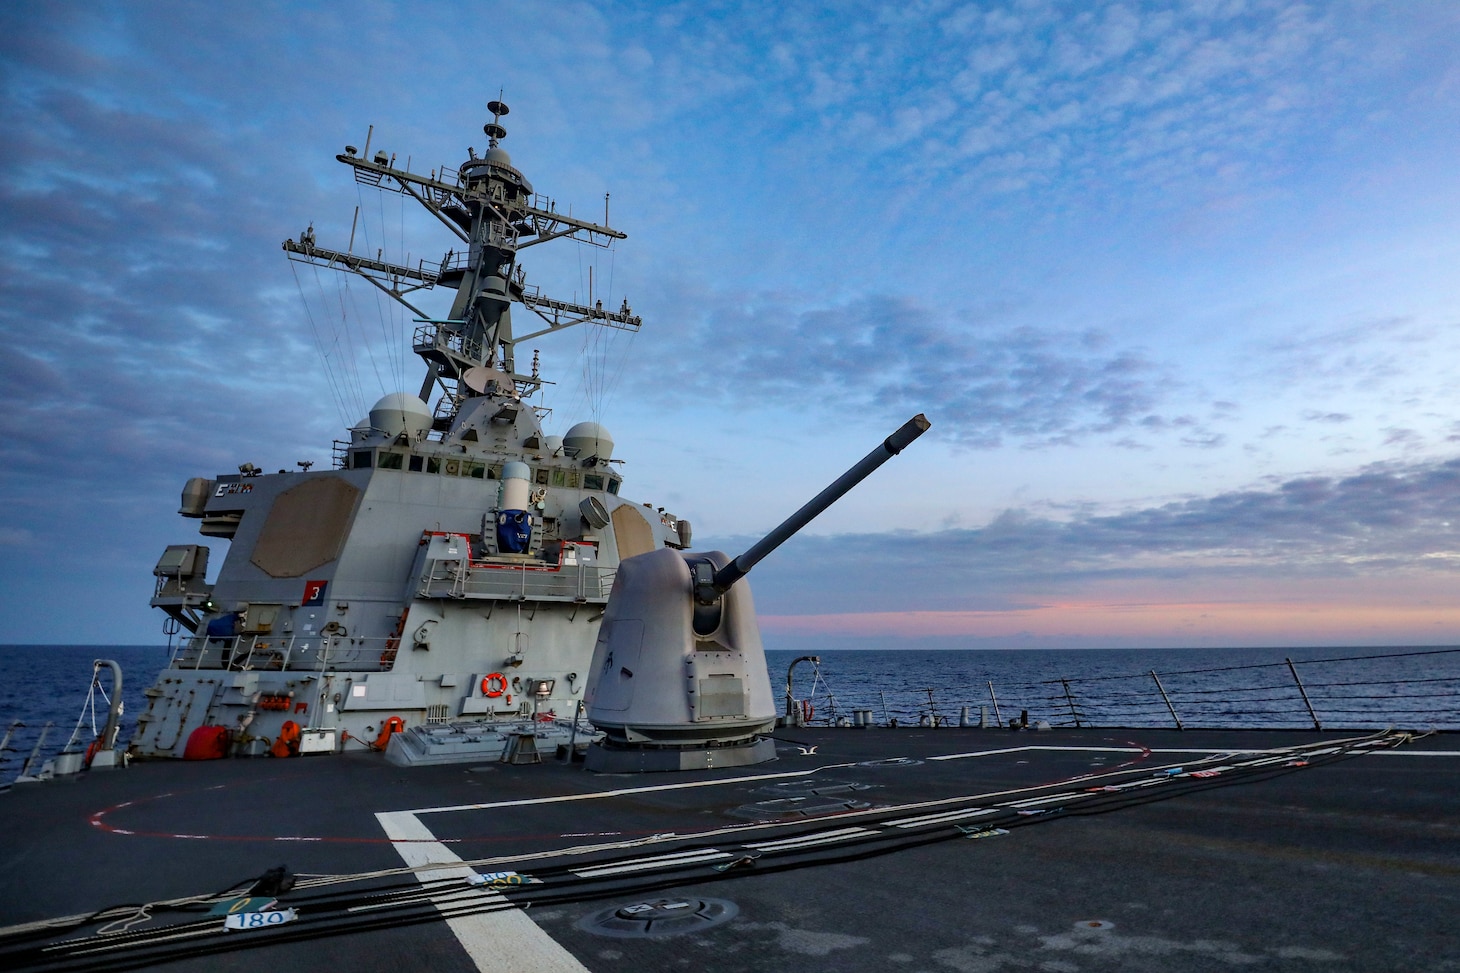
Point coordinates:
[[1018, 95], [985, 380]]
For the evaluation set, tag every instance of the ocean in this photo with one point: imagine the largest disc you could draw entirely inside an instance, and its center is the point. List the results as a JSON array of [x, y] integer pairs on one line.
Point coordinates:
[[1336, 688], [1416, 687]]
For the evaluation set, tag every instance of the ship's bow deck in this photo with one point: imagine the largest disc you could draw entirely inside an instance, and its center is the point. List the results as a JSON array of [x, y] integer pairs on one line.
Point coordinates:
[[855, 849]]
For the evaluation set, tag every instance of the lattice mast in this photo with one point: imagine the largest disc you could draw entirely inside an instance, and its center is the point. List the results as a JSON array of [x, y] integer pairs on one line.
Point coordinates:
[[494, 212]]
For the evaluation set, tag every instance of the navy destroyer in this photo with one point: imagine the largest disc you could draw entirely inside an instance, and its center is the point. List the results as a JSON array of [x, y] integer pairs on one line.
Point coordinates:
[[443, 595], [455, 562]]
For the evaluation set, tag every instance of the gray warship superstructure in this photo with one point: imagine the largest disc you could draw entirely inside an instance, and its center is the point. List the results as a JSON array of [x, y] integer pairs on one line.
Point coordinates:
[[449, 573]]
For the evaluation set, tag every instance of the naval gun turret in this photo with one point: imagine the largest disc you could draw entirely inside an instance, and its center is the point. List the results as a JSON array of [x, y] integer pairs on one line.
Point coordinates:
[[679, 679]]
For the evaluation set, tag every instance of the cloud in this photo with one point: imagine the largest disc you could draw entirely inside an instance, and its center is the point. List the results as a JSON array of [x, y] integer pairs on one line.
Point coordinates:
[[157, 154], [982, 381], [1388, 521], [17, 536], [113, 354], [1142, 97]]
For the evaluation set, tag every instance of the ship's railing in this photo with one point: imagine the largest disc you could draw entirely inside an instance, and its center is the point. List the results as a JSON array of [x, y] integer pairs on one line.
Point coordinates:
[[291, 652], [574, 577], [1418, 689], [436, 337], [24, 749]]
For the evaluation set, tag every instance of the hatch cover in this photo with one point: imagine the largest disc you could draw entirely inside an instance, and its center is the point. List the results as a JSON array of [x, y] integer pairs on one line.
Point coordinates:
[[806, 788], [796, 807], [659, 918]]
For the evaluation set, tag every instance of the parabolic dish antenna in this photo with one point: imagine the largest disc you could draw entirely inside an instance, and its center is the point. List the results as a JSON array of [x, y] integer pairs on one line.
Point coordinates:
[[479, 377]]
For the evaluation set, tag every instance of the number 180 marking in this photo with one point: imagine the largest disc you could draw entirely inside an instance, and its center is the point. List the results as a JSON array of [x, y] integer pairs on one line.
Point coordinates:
[[260, 920]]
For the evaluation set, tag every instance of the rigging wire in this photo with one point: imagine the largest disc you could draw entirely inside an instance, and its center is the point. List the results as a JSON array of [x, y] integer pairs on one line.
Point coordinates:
[[319, 345], [331, 352], [349, 361], [365, 342]]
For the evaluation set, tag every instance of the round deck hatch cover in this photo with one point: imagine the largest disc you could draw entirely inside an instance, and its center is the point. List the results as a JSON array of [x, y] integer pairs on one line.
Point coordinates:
[[659, 918]]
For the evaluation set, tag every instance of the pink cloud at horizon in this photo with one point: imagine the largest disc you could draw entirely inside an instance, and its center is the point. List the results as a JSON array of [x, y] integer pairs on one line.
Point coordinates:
[[1173, 623]]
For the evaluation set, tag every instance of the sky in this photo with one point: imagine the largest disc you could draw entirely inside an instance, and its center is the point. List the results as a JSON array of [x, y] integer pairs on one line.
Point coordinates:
[[1177, 284]]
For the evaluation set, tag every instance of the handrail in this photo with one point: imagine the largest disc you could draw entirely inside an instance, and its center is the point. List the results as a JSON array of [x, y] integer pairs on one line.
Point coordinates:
[[286, 652], [1329, 694]]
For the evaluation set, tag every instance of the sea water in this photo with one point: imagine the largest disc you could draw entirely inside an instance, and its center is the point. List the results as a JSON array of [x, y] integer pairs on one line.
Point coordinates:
[[41, 684], [1413, 687], [1368, 687]]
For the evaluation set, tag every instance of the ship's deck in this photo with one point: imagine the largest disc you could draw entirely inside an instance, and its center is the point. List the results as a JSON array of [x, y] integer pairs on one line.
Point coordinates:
[[854, 850]]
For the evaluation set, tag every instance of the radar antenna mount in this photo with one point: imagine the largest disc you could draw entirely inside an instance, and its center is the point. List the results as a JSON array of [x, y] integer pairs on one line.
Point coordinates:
[[494, 213], [494, 129]]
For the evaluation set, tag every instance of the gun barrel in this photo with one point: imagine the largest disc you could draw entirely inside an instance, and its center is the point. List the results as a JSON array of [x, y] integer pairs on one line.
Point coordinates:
[[889, 448]]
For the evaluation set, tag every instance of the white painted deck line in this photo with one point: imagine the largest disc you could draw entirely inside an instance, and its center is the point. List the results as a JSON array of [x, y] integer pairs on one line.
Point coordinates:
[[812, 840], [495, 941], [1095, 750], [685, 785], [1051, 799], [624, 791], [649, 864], [1412, 753], [944, 818], [1192, 750]]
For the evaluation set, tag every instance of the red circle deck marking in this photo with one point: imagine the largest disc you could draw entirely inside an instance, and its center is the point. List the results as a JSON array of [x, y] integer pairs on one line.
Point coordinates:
[[97, 819]]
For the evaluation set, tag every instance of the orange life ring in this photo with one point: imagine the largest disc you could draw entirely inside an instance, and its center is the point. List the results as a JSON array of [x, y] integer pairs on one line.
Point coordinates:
[[391, 727], [489, 690]]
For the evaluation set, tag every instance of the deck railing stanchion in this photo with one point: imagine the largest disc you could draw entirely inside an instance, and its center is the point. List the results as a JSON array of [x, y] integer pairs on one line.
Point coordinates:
[[1304, 693], [573, 736], [1162, 690], [998, 718], [1071, 701], [36, 751]]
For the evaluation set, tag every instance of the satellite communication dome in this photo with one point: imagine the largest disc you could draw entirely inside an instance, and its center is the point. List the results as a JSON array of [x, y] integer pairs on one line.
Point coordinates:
[[590, 439], [400, 412]]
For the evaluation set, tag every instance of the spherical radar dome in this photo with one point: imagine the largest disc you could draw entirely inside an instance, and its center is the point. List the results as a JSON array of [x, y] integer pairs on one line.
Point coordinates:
[[400, 412], [589, 439]]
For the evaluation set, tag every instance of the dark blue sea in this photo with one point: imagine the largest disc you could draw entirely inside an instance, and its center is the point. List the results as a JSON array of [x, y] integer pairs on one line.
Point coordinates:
[[1337, 688], [1341, 688]]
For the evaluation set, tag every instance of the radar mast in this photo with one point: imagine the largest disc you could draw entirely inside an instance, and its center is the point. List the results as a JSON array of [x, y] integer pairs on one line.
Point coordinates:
[[493, 211]]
